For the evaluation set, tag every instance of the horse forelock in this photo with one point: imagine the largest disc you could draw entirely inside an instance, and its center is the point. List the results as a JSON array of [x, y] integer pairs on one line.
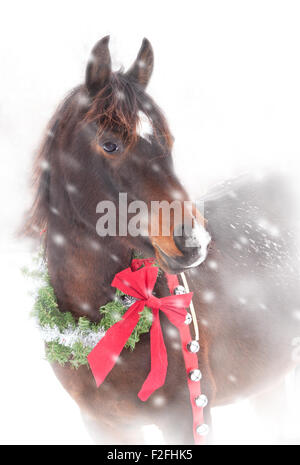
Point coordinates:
[[118, 106]]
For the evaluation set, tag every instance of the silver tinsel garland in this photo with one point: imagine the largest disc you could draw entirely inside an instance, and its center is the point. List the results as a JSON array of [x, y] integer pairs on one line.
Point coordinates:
[[69, 336]]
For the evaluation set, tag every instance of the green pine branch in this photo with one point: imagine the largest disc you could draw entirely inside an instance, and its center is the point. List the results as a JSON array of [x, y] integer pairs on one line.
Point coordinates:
[[48, 314]]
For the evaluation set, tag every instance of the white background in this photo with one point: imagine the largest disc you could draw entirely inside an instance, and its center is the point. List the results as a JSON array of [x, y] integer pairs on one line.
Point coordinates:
[[227, 76]]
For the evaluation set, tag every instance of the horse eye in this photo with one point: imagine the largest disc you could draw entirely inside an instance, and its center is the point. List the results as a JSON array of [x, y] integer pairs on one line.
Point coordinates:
[[110, 147]]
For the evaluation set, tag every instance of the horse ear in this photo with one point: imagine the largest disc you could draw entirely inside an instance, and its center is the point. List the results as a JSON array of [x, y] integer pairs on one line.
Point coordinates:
[[141, 69], [98, 70]]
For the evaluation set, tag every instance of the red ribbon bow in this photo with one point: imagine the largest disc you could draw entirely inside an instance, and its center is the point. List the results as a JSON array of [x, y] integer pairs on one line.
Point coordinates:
[[137, 263], [139, 284]]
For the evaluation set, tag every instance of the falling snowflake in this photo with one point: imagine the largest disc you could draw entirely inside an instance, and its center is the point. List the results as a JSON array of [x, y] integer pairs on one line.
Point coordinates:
[[54, 211], [45, 165], [158, 401], [212, 264], [58, 239], [208, 296], [85, 306], [71, 188]]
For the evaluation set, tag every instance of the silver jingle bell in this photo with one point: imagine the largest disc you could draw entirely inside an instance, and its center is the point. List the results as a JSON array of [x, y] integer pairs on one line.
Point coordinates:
[[195, 375], [203, 429], [201, 401], [179, 290], [188, 319], [127, 300], [193, 347]]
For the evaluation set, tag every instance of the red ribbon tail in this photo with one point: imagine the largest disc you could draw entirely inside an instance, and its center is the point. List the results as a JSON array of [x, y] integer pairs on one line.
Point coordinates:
[[159, 360], [104, 355]]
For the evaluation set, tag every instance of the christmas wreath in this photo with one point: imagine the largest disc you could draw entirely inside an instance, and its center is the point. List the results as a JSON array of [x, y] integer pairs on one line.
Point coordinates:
[[69, 340]]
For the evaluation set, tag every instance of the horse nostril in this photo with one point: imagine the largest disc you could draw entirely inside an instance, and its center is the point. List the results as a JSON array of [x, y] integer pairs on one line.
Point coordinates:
[[187, 238], [192, 242]]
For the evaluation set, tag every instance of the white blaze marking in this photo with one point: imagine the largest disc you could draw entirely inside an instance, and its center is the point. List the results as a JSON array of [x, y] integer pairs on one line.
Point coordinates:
[[144, 126]]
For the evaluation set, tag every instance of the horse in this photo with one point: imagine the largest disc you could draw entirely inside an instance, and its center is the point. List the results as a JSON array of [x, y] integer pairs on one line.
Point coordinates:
[[245, 281]]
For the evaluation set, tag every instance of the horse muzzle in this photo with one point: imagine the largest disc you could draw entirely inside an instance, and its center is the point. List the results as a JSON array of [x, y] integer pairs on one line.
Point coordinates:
[[191, 244]]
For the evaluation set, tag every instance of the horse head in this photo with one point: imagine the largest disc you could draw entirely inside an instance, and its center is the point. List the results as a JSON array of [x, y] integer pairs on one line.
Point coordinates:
[[111, 138]]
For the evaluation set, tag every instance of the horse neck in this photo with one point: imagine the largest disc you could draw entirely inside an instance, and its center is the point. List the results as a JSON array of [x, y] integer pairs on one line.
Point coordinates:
[[82, 266]]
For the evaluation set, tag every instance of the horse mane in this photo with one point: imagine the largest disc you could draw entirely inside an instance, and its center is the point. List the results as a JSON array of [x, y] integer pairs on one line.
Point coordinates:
[[115, 108]]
